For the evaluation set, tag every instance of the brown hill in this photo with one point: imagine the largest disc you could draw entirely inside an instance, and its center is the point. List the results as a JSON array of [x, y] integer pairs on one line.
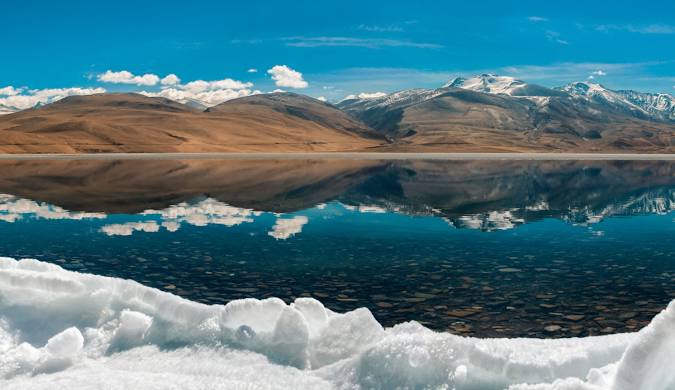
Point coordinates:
[[137, 123], [132, 186], [275, 106]]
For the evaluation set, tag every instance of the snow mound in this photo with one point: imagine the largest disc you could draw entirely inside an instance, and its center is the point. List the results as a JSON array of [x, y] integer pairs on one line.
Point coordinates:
[[488, 83], [66, 330]]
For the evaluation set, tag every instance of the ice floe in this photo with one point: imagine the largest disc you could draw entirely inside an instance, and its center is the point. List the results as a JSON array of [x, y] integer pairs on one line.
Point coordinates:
[[61, 329]]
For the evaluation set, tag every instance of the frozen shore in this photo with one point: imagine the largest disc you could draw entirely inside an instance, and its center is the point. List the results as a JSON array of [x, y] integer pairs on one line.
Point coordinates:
[[63, 329]]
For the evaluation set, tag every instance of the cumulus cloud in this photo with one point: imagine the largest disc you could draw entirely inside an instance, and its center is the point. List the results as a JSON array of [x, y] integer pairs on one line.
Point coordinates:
[[30, 98], [599, 72], [202, 86], [208, 93], [127, 229], [126, 77], [284, 76], [252, 70], [10, 91], [13, 209], [537, 19], [171, 79], [366, 95], [206, 212], [207, 98], [286, 228]]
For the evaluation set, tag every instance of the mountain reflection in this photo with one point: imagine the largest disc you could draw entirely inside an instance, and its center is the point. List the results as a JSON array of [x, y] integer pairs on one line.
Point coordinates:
[[484, 195]]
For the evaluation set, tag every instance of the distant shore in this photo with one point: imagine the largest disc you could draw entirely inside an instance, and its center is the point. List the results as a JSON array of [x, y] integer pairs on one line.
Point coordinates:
[[340, 156]]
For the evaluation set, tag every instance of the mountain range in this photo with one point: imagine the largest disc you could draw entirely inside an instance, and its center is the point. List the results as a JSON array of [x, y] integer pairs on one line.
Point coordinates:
[[499, 113], [484, 113], [470, 194]]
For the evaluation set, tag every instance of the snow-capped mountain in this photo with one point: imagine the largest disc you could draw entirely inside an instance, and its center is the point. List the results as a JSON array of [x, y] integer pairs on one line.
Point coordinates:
[[599, 94], [488, 83], [395, 99], [642, 105], [4, 110], [659, 104], [500, 85]]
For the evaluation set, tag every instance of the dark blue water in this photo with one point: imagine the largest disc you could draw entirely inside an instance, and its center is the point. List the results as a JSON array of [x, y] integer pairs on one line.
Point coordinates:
[[537, 249]]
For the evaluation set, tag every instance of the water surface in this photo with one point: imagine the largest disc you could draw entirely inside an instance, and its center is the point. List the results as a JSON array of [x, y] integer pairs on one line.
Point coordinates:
[[484, 248]]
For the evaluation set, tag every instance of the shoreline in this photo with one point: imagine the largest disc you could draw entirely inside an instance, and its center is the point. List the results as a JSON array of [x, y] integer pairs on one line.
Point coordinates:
[[346, 156]]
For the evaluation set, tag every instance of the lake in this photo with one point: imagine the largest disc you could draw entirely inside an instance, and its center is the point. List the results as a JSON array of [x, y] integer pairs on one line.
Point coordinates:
[[480, 248]]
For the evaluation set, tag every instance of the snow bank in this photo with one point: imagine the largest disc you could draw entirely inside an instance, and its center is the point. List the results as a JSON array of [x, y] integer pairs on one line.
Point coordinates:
[[63, 329]]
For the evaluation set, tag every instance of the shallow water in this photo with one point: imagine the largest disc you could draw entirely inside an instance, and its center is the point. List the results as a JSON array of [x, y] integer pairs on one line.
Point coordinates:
[[484, 248]]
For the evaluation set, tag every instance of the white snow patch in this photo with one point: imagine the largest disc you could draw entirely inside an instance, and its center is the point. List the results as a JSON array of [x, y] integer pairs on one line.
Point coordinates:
[[67, 330]]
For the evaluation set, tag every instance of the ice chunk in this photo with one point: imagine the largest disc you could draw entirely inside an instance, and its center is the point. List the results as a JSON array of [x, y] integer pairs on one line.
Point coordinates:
[[70, 330]]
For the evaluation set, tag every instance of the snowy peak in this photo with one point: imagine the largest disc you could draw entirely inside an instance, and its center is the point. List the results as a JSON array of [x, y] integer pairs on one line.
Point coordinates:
[[488, 83], [587, 89], [659, 106], [501, 85]]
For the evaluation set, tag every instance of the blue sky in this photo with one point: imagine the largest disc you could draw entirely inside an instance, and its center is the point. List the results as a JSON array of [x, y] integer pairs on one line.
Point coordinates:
[[340, 47]]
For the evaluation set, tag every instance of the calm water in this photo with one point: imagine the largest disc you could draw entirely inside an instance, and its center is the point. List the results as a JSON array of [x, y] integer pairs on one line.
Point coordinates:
[[486, 248]]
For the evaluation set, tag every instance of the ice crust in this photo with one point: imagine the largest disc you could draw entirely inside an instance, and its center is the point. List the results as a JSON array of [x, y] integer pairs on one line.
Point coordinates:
[[66, 330]]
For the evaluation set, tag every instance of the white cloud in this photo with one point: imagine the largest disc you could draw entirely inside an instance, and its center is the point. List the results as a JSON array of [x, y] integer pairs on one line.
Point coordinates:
[[366, 95], [202, 86], [208, 98], [45, 96], [10, 91], [374, 95], [126, 77], [279, 90], [171, 79], [252, 70], [370, 43], [643, 29], [127, 229], [286, 228], [555, 37], [599, 72], [375, 28], [208, 93], [284, 76], [322, 98], [537, 19], [562, 73], [13, 209]]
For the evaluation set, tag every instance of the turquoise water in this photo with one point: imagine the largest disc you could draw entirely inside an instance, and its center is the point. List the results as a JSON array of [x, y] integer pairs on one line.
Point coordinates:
[[558, 255]]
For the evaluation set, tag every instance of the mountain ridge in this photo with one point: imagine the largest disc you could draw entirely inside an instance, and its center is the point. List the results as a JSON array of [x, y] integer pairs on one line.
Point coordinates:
[[485, 113]]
